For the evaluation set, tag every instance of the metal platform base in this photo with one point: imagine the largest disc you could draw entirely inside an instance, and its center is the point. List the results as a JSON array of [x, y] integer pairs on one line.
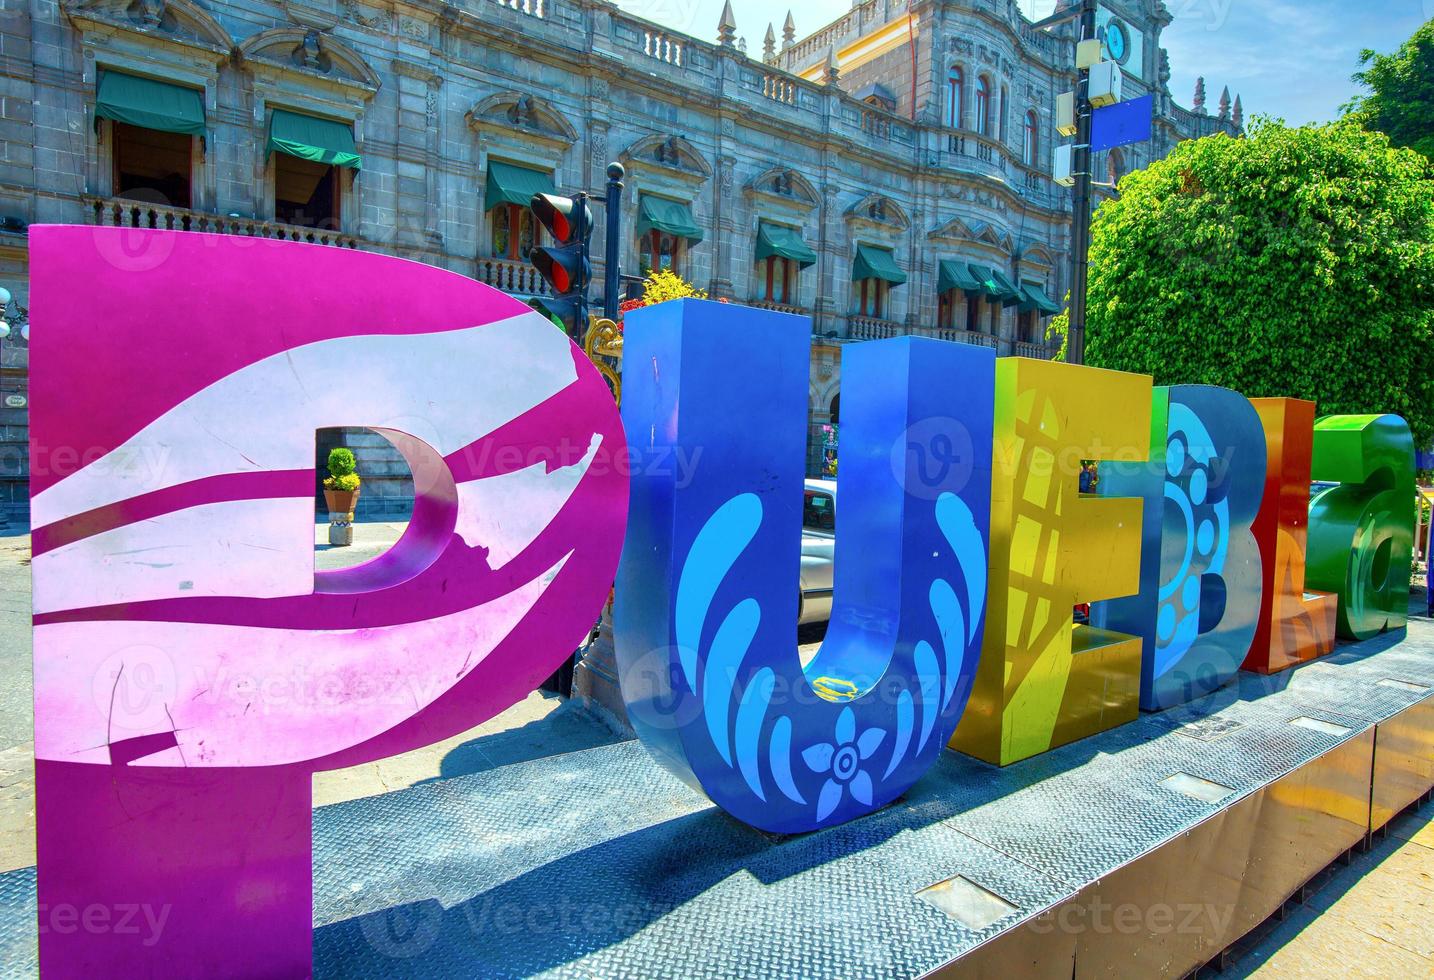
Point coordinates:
[[1143, 851]]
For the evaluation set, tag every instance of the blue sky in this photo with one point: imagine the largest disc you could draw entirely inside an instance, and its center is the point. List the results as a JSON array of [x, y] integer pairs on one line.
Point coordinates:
[[1285, 58]]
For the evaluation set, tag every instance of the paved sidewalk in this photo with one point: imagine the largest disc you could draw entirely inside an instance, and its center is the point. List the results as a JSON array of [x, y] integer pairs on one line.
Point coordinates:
[[1373, 918], [370, 541]]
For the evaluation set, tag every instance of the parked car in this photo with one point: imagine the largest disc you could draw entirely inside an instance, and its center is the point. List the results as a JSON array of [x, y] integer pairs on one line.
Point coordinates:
[[818, 551]]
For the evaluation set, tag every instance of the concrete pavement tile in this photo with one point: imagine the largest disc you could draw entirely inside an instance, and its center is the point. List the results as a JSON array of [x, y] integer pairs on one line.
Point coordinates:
[[1387, 904], [1413, 864], [18, 850], [539, 725], [1388, 857], [1416, 825], [1308, 944], [342, 785]]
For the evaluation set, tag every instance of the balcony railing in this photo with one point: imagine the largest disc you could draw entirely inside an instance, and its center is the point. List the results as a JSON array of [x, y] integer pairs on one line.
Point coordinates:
[[1022, 348], [964, 337], [510, 276], [663, 47], [120, 213], [533, 8], [869, 328], [763, 304], [779, 88]]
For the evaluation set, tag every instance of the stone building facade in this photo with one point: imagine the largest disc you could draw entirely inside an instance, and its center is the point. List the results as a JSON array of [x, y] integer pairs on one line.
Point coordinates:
[[887, 174]]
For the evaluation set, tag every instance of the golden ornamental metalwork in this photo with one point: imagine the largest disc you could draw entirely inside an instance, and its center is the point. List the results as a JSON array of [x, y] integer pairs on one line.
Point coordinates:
[[603, 346]]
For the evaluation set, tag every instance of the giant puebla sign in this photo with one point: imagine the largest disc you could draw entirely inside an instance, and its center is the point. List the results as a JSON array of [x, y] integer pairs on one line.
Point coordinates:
[[192, 671]]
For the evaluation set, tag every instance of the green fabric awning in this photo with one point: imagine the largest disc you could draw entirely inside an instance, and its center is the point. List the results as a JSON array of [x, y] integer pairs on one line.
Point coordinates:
[[1010, 292], [951, 274], [151, 104], [876, 263], [992, 287], [665, 214], [1035, 298], [784, 243], [312, 138], [509, 183]]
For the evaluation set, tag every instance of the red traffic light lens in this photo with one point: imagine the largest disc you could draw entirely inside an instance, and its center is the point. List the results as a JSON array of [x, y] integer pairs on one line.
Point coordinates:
[[558, 214]]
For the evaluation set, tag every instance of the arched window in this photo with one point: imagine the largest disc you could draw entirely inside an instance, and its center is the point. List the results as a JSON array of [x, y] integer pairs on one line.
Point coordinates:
[[955, 95], [659, 250], [983, 106], [1028, 140], [1114, 165], [514, 232], [777, 280], [871, 298], [1002, 111]]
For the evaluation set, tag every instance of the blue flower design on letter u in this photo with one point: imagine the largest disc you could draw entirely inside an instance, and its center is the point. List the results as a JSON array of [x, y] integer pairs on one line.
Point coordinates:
[[843, 760]]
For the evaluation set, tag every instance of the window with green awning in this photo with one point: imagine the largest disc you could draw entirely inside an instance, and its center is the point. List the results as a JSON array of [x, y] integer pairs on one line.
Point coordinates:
[[664, 214], [509, 183], [951, 274], [311, 138], [1010, 292], [149, 103], [994, 288], [1034, 298], [783, 243], [876, 263]]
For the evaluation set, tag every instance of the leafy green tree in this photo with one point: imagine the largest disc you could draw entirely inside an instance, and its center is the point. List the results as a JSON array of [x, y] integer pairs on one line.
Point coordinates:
[[1294, 262], [1401, 99]]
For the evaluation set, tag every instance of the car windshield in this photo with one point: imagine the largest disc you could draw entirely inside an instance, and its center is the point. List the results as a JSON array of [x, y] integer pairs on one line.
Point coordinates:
[[819, 512]]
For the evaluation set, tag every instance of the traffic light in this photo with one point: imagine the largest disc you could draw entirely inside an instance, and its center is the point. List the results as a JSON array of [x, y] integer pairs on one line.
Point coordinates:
[[564, 265]]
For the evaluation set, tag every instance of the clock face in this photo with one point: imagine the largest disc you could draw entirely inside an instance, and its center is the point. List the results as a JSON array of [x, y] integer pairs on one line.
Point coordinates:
[[1117, 42]]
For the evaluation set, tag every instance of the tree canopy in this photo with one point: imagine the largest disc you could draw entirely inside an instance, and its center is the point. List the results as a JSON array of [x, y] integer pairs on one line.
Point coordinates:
[[1293, 262], [1401, 99]]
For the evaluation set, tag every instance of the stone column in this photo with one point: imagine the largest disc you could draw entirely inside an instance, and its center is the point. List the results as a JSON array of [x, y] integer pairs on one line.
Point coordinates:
[[417, 135], [724, 226], [916, 282], [829, 308]]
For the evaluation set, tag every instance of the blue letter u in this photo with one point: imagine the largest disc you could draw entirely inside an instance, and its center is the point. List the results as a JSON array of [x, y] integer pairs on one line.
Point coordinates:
[[714, 402]]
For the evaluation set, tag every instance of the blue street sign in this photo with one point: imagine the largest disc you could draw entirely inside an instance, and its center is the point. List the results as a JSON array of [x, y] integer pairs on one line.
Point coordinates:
[[1121, 123]]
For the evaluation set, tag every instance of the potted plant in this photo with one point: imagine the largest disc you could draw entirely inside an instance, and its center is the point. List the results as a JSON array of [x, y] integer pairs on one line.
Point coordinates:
[[341, 491]]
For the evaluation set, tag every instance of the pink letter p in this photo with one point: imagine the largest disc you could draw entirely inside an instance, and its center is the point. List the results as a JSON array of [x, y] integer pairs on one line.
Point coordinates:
[[191, 669]]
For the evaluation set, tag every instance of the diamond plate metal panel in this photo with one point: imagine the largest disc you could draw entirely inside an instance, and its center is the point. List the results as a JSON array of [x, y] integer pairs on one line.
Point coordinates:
[[19, 931]]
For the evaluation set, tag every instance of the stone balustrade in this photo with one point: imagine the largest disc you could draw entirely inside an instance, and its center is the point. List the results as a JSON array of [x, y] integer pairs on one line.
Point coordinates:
[[119, 212], [510, 276], [870, 328], [533, 8], [763, 304], [963, 337]]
